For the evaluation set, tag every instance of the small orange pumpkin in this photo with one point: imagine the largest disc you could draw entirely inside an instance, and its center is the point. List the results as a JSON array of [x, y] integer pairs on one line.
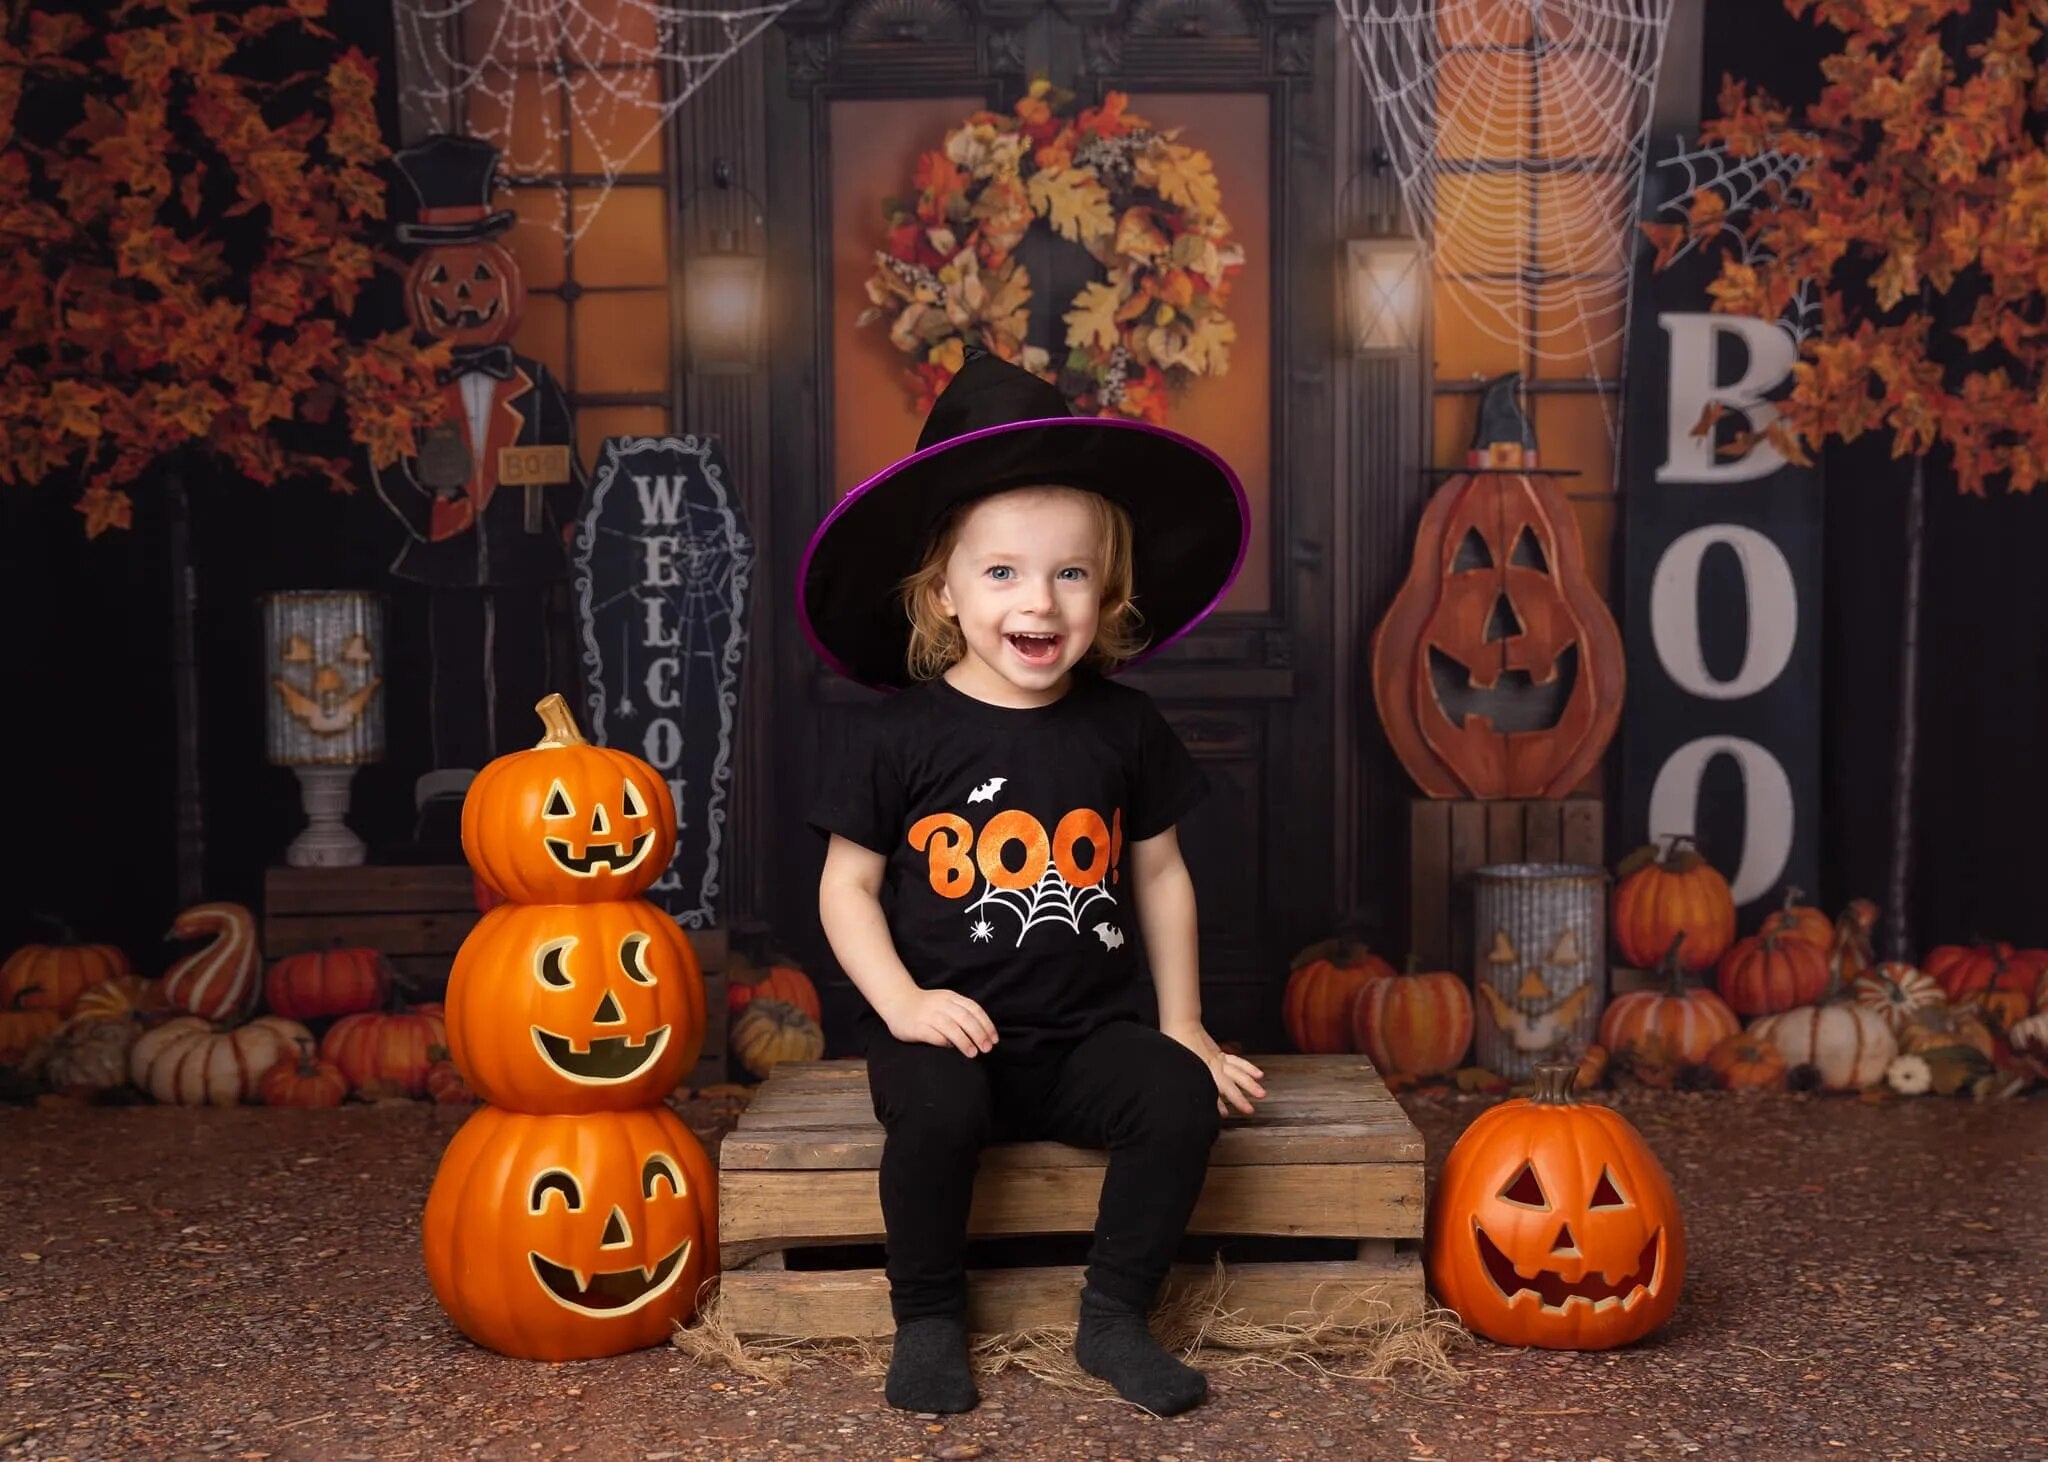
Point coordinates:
[[445, 1085], [121, 997], [21, 1026], [386, 1054], [53, 976], [303, 1081], [568, 822], [1322, 983], [570, 1237], [1801, 921], [1413, 1024], [780, 980], [337, 981], [1768, 973], [1659, 898], [1746, 1061], [1897, 991], [1670, 1028], [1548, 1211], [1968, 969]]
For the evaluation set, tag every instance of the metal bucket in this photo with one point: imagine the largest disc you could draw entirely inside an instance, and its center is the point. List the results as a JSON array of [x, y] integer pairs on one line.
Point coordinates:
[[1539, 955]]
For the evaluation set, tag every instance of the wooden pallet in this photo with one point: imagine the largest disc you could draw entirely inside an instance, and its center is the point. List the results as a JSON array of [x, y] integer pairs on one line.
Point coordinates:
[[1449, 838], [1330, 1156], [417, 917]]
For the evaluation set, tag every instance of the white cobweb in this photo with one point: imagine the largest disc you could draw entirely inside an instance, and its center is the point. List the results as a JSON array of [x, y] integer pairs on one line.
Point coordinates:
[[1518, 131], [1741, 183], [1051, 900], [549, 80]]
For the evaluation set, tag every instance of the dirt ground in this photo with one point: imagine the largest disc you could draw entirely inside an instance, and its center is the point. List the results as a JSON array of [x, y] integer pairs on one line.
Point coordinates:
[[1865, 1281]]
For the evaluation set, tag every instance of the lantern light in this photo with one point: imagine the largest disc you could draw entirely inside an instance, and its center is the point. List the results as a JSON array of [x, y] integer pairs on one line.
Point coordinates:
[[725, 292], [1385, 279]]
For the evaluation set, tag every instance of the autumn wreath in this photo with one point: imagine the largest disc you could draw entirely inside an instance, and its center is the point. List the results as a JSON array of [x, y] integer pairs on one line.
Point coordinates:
[[1144, 205]]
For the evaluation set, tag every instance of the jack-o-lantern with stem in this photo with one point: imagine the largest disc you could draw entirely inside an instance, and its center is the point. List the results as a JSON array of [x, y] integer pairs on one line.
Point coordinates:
[[1554, 1225], [1498, 668], [568, 822], [570, 1237], [575, 1008]]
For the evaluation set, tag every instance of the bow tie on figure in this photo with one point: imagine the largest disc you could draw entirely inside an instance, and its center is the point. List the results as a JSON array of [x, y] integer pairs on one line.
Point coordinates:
[[490, 360]]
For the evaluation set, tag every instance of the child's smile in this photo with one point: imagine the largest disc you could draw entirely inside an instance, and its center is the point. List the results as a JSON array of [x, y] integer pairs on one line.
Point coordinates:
[[1025, 582]]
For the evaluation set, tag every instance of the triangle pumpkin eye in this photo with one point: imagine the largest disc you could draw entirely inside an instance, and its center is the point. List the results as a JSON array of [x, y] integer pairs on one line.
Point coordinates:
[[1605, 1195], [1525, 1190], [558, 804]]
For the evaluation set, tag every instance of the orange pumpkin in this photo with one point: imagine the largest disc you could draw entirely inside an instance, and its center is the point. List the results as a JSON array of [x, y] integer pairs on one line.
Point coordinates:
[[1413, 1024], [1801, 921], [217, 981], [444, 1081], [1592, 1068], [769, 1032], [53, 976], [471, 293], [782, 981], [570, 1237], [1967, 969], [1768, 973], [1659, 898], [568, 822], [121, 997], [575, 1007], [21, 1027], [1670, 1028], [1746, 1061], [303, 1081], [336, 981], [386, 1054], [1322, 984], [1554, 1225], [1896, 991]]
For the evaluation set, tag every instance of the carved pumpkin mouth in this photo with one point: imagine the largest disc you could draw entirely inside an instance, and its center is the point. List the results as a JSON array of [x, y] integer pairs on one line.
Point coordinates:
[[1507, 700], [599, 855], [610, 1058], [468, 317], [1556, 1292], [608, 1291]]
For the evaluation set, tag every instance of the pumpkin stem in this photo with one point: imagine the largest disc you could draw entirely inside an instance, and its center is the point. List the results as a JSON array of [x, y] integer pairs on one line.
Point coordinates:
[[559, 721], [1670, 968], [1414, 963], [1554, 1084], [1793, 895]]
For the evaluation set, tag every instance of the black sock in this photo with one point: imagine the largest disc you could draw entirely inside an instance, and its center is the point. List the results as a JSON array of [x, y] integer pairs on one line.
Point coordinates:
[[928, 1369], [1116, 1344]]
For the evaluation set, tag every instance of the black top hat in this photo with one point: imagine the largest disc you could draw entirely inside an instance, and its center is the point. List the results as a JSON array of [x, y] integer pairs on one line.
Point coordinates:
[[997, 426], [451, 177]]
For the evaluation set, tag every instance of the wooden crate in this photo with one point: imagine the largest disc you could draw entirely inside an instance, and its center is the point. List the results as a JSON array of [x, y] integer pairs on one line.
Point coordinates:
[[417, 917], [1330, 1155], [1449, 838]]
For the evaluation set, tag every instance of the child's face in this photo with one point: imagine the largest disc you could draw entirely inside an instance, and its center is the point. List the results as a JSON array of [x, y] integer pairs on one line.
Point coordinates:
[[1025, 581]]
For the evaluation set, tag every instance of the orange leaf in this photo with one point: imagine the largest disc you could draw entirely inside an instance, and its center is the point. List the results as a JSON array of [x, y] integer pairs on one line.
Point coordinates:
[[103, 509]]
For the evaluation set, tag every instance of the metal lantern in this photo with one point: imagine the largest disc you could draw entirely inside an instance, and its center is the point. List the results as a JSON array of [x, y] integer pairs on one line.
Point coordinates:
[[323, 656], [1539, 942]]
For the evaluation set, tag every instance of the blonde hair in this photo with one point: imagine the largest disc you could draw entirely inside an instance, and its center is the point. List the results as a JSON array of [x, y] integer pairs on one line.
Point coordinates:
[[935, 638]]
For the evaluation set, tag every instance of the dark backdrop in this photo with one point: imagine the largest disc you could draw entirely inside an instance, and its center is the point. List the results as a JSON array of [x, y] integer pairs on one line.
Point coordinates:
[[91, 735]]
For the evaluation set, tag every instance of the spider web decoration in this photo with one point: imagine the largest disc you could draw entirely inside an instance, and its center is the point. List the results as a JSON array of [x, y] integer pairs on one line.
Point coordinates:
[[543, 78], [1741, 182], [1051, 900], [1518, 130]]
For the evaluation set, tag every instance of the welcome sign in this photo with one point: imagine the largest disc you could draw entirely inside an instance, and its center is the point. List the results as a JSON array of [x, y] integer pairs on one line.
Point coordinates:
[[661, 566], [1722, 567]]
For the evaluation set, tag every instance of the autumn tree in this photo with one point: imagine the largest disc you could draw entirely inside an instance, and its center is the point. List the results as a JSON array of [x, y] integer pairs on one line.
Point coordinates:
[[1922, 198]]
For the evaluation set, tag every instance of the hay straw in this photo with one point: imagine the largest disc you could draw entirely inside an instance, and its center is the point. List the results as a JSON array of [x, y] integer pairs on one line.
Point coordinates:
[[1194, 1323]]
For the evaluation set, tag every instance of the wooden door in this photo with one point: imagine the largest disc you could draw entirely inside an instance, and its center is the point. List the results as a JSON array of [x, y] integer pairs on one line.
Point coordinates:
[[1248, 691]]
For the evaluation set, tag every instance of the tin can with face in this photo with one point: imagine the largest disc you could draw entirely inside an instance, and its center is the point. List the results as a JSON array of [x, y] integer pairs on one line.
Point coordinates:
[[1539, 940]]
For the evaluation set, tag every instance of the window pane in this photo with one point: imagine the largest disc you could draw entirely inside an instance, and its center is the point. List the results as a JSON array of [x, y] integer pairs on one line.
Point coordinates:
[[1580, 331], [1475, 335], [536, 240], [1582, 223], [1482, 223], [1586, 104], [1483, 105], [544, 334], [1484, 23], [628, 241], [1572, 431], [622, 342], [616, 120], [535, 146]]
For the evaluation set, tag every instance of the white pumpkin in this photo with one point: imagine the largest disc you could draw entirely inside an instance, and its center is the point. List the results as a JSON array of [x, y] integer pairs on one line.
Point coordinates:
[[1909, 1075], [1850, 1043], [190, 1062], [1897, 991]]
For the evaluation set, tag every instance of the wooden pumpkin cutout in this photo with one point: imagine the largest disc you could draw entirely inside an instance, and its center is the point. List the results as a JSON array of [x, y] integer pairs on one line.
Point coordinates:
[[1498, 670]]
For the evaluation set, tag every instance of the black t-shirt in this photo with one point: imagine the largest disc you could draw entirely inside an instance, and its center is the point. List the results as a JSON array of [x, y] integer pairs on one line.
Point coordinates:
[[1005, 830]]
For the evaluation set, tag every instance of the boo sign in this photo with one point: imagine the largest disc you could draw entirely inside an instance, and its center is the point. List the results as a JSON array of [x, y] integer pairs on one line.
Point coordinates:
[[1721, 579]]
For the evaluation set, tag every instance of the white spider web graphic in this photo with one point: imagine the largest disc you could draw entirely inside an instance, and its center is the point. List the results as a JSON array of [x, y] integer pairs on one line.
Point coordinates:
[[1741, 182], [1051, 900]]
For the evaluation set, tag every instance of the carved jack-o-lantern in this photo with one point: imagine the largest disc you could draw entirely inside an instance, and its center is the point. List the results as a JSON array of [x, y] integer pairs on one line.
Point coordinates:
[[570, 1237], [583, 1009], [1498, 669], [1554, 1225], [470, 293], [568, 822]]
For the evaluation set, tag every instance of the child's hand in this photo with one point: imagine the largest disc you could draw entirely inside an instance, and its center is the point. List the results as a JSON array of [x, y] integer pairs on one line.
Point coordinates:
[[941, 1018], [1237, 1080]]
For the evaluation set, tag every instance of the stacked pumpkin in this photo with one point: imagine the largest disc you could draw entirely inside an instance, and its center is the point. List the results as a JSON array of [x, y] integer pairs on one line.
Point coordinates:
[[1341, 997], [574, 1216]]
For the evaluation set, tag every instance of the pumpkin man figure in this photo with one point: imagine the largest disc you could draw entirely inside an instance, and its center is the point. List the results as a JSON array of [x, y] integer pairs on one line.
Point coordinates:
[[488, 503]]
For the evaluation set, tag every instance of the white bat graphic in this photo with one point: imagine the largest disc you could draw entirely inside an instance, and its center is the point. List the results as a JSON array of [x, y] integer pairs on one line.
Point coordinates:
[[986, 792], [1111, 936]]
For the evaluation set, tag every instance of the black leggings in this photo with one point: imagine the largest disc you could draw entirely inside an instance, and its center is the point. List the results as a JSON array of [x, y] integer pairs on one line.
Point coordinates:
[[1142, 1095]]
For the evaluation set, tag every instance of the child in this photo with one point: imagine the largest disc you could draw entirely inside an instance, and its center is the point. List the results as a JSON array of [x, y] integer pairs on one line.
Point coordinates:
[[1001, 828]]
